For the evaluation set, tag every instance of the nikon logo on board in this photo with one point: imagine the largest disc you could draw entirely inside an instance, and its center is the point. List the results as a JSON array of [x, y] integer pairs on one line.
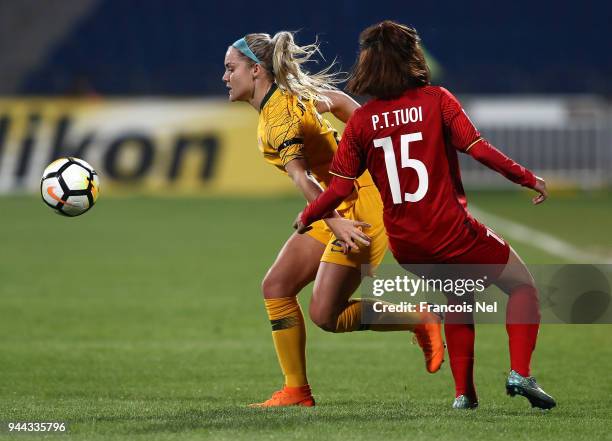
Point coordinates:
[[169, 146]]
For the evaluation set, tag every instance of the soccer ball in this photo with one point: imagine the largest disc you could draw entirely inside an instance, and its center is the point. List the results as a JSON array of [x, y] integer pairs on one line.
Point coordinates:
[[70, 186]]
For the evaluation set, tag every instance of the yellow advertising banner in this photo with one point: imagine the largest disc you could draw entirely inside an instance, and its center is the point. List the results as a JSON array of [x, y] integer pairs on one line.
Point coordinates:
[[162, 146]]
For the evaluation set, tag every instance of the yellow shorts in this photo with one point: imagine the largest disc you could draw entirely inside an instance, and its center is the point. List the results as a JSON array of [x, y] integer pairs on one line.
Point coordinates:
[[367, 208]]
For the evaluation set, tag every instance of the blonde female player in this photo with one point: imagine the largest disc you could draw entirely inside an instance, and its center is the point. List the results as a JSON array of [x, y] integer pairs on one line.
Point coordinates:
[[266, 72]]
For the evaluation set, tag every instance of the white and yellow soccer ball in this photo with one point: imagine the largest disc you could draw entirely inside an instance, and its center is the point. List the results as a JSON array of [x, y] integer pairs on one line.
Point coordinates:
[[70, 186]]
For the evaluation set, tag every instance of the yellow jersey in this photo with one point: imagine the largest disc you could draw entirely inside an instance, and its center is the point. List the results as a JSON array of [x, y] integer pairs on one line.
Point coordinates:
[[291, 128]]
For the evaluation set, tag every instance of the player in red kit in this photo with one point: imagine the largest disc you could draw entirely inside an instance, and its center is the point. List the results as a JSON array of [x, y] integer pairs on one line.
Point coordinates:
[[408, 137]]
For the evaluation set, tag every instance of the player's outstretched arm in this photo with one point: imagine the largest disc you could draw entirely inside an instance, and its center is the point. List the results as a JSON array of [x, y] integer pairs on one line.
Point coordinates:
[[342, 106], [485, 153], [466, 138]]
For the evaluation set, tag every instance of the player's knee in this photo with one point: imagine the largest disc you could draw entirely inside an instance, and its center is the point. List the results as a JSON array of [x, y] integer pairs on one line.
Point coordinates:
[[327, 325], [322, 318], [522, 280], [515, 275], [273, 287]]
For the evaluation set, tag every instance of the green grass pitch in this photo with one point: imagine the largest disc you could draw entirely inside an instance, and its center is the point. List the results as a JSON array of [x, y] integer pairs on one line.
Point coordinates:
[[143, 320]]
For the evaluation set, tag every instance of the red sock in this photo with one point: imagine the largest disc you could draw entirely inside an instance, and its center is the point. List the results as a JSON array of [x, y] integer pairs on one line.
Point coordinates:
[[460, 334], [522, 324], [460, 344]]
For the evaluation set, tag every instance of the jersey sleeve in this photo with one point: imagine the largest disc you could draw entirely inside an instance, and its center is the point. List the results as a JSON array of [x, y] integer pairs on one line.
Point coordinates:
[[488, 155], [285, 135], [349, 161]]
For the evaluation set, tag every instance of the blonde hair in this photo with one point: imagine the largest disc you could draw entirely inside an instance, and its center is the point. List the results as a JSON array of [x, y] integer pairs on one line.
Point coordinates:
[[283, 59]]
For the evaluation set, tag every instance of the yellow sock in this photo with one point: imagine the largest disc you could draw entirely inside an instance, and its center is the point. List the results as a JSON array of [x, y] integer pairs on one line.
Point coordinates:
[[289, 335], [351, 319]]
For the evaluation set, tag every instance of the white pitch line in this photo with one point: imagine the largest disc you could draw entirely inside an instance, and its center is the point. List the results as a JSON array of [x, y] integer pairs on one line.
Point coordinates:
[[537, 239]]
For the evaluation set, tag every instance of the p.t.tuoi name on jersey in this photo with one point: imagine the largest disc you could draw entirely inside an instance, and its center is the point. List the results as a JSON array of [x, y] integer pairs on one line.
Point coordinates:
[[397, 117]]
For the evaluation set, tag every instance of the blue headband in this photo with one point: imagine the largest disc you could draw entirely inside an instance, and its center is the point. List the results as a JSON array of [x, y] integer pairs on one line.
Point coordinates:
[[243, 47]]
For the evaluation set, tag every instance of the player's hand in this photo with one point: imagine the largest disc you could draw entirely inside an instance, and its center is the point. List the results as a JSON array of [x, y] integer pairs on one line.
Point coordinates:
[[349, 231], [299, 226], [540, 187], [301, 229]]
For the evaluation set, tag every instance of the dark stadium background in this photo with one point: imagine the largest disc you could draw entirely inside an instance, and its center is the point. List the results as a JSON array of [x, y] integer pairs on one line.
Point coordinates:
[[161, 47]]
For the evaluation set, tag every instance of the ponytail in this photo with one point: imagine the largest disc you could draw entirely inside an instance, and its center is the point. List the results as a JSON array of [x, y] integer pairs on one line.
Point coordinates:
[[283, 58]]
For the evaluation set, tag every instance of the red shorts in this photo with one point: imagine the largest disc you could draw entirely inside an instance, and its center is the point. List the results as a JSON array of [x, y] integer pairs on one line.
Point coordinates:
[[480, 251], [487, 247]]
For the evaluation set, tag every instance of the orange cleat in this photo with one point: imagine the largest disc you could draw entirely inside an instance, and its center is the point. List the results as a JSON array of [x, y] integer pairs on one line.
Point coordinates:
[[429, 337], [289, 396]]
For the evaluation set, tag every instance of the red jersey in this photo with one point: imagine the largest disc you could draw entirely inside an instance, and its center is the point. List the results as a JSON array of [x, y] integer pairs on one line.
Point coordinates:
[[409, 145]]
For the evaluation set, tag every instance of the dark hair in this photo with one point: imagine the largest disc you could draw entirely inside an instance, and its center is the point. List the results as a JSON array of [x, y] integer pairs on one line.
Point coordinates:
[[390, 61]]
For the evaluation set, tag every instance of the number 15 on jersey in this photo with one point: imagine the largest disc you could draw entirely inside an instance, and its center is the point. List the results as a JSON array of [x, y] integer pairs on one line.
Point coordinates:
[[407, 162]]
